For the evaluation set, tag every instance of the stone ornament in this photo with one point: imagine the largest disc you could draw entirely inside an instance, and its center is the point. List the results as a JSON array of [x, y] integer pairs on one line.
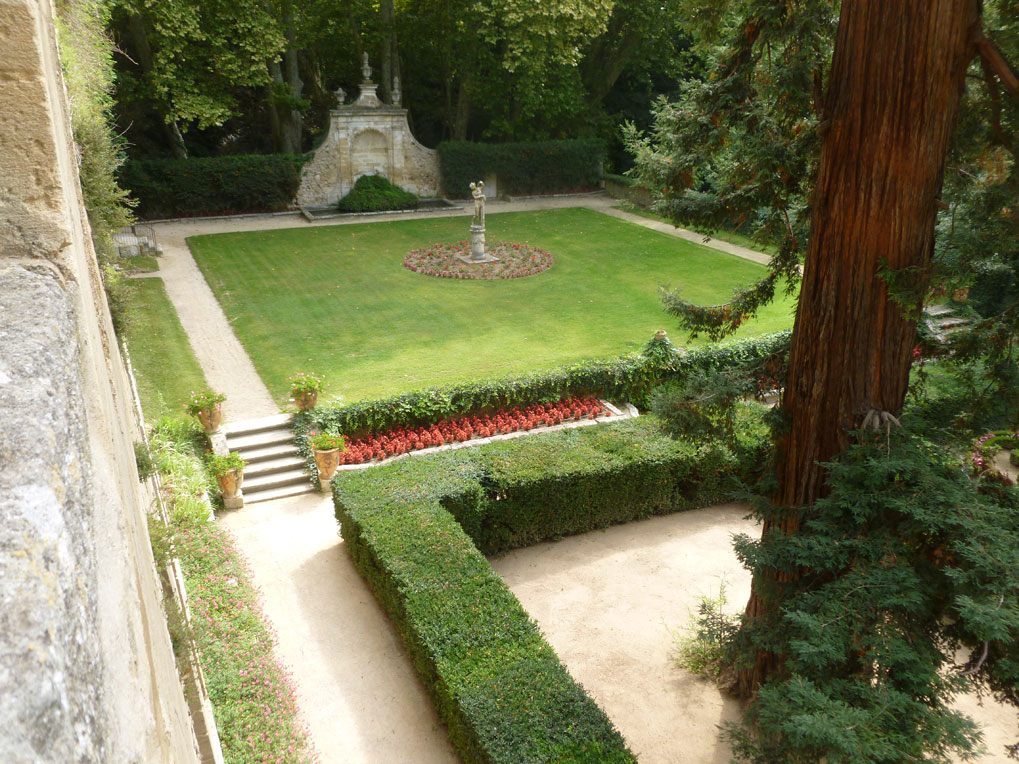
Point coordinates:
[[478, 192]]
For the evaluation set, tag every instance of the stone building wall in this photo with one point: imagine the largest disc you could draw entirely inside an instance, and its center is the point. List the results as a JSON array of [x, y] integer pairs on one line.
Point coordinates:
[[365, 138], [86, 668]]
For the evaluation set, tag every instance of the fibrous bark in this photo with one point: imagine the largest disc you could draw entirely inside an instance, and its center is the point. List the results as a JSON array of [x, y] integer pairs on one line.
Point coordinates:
[[895, 86]]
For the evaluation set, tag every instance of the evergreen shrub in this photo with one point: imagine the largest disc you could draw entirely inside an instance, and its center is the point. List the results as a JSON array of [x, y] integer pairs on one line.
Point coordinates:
[[212, 185], [629, 377], [522, 168], [416, 530], [374, 193]]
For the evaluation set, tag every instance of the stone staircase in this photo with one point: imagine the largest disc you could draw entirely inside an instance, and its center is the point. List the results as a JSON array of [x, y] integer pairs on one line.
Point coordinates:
[[941, 320], [274, 468]]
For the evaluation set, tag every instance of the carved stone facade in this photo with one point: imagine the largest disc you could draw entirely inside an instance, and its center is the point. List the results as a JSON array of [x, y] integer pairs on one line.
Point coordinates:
[[367, 137]]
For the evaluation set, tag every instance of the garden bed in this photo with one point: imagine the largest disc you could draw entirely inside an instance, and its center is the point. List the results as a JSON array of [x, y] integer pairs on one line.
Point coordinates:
[[451, 261]]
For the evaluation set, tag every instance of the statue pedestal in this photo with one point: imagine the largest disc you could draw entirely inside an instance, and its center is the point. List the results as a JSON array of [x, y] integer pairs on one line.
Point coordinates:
[[478, 253]]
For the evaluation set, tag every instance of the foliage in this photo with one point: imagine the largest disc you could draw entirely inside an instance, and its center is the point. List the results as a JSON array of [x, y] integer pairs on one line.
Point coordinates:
[[705, 647], [517, 492], [702, 404], [499, 688], [739, 147], [304, 382], [252, 694], [212, 186], [627, 378], [375, 329], [223, 464], [143, 461], [86, 54], [162, 359], [374, 193], [911, 597], [522, 168], [324, 441], [203, 400], [186, 57]]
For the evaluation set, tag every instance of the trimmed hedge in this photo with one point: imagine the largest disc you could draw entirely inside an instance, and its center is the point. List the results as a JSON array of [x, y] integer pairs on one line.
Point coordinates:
[[212, 185], [522, 168], [411, 529], [374, 193], [630, 377]]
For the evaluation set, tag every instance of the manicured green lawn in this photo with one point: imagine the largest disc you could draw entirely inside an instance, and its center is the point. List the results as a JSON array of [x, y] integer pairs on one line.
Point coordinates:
[[337, 301], [164, 364]]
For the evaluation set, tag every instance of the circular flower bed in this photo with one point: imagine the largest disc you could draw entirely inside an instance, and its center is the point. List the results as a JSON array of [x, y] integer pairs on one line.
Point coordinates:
[[514, 261]]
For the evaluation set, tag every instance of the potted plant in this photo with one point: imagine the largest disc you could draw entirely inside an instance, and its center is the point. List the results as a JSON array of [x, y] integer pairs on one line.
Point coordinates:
[[304, 390], [207, 405], [327, 449], [228, 470]]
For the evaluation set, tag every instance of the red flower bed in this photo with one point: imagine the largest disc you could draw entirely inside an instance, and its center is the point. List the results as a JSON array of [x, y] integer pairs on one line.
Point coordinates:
[[443, 260], [401, 440]]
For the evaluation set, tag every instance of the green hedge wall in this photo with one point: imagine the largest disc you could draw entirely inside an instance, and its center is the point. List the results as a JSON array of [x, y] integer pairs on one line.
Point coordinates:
[[226, 185], [411, 529], [522, 168], [630, 377]]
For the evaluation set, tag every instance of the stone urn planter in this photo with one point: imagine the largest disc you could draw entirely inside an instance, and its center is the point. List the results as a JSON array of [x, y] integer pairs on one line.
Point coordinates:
[[207, 405], [211, 418], [305, 400], [228, 469], [327, 449], [230, 483], [304, 390]]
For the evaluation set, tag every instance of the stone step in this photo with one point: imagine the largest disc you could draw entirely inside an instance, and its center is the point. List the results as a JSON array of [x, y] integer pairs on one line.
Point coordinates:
[[262, 424], [267, 453], [257, 440], [937, 310], [271, 467], [274, 480], [277, 493]]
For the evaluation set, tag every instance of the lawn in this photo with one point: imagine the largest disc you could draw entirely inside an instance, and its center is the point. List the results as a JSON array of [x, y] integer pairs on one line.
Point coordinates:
[[337, 301], [165, 366]]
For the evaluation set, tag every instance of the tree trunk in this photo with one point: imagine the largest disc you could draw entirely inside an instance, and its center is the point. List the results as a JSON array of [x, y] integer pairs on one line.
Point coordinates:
[[390, 50], [896, 80], [286, 120], [143, 50], [462, 115]]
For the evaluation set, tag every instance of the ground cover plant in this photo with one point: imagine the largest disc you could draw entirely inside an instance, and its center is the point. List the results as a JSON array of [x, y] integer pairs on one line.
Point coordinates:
[[338, 297], [375, 193], [164, 363], [251, 693], [414, 529]]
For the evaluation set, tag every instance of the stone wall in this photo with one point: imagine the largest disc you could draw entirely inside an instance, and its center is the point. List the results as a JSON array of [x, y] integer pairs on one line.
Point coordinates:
[[365, 138], [86, 668]]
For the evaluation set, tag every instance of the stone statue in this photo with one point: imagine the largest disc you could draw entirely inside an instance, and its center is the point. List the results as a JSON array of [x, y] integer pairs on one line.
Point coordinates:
[[366, 70], [478, 192]]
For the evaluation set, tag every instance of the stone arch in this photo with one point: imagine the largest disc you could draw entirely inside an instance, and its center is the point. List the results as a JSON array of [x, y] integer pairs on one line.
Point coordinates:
[[370, 154]]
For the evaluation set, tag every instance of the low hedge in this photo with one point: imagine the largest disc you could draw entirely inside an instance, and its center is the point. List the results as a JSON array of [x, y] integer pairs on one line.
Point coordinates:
[[412, 528], [630, 377], [212, 185], [374, 193], [522, 168]]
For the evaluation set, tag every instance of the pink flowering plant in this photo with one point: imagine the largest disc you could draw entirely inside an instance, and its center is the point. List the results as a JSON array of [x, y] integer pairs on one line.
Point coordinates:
[[513, 261], [252, 693], [203, 400]]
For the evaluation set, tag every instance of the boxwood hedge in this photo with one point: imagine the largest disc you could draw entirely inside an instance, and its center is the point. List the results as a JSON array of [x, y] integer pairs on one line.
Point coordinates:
[[416, 530], [629, 377]]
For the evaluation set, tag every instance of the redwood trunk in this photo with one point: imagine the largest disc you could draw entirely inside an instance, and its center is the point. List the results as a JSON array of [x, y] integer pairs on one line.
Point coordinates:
[[896, 80]]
